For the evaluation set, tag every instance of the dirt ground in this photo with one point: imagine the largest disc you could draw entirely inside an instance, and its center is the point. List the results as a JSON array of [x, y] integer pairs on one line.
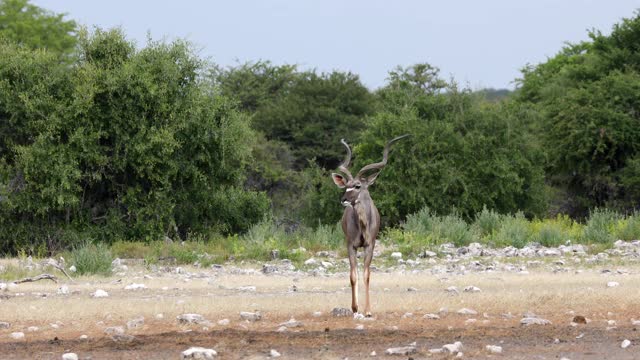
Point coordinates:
[[558, 297]]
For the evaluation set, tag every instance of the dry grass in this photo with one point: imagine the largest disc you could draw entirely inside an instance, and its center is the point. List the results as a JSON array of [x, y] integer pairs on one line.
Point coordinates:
[[550, 295]]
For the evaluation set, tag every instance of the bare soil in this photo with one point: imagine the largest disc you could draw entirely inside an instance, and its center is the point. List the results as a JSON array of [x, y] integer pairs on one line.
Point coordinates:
[[61, 319]]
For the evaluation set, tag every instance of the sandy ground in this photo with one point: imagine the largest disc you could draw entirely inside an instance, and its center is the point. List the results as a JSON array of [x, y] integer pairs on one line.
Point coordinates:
[[62, 319]]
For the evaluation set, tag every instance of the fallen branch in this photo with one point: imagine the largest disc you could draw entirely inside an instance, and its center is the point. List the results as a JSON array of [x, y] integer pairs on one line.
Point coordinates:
[[37, 278], [60, 267]]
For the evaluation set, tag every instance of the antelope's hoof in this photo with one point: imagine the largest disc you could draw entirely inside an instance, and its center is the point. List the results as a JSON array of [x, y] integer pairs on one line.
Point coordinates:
[[368, 314], [354, 309]]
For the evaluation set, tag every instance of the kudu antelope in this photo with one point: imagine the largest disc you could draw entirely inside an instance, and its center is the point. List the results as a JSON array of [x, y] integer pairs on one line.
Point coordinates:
[[361, 219]]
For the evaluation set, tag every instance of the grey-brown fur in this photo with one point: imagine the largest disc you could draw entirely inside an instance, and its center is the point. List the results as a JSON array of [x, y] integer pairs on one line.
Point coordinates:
[[361, 219]]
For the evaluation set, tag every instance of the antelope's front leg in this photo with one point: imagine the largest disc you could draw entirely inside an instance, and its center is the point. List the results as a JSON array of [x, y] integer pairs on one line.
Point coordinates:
[[368, 256], [354, 279]]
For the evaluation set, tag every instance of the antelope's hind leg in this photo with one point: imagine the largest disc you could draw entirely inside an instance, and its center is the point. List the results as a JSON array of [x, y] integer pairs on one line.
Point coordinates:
[[368, 256]]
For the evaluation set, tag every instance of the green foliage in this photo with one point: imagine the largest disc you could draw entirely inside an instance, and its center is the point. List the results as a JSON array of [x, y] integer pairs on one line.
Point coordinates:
[[304, 110], [464, 154], [487, 222], [587, 98], [124, 144], [436, 229], [600, 227], [36, 28], [629, 228], [92, 258]]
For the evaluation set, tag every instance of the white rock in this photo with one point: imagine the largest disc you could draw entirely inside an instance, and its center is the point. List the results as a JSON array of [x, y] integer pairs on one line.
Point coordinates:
[[633, 322], [326, 264], [360, 327], [317, 313], [247, 288], [310, 262], [396, 255], [452, 289], [114, 330], [373, 353], [70, 356], [249, 316], [534, 321], [358, 316], [291, 323], [159, 316], [134, 286], [63, 290], [190, 319], [135, 323], [33, 328], [274, 353], [100, 294], [17, 335], [199, 353], [472, 289], [407, 315], [613, 284], [429, 254], [282, 329], [223, 322], [431, 316], [72, 268], [404, 350], [3, 286], [436, 351], [454, 348], [412, 289], [625, 344], [466, 311], [494, 349], [83, 337]]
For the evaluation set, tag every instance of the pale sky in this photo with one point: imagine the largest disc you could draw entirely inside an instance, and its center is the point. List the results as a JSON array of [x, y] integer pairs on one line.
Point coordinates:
[[478, 43]]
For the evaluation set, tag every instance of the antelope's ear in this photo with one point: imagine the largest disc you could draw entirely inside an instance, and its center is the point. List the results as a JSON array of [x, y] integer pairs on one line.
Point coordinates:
[[338, 180], [372, 178]]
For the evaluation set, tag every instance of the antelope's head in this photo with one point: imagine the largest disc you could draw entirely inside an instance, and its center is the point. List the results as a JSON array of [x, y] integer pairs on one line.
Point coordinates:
[[357, 187]]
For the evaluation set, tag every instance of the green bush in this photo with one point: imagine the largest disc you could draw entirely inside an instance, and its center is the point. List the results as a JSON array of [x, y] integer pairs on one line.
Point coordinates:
[[514, 231], [600, 227], [92, 259], [436, 229], [629, 228], [487, 222]]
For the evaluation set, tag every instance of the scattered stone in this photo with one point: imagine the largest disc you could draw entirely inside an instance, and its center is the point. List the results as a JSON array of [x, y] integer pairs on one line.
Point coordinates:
[[114, 330], [360, 327], [411, 289], [291, 323], [199, 353], [625, 344], [633, 322], [33, 328], [223, 322], [70, 356], [340, 312], [135, 287], [122, 338], [4, 325], [72, 268], [613, 284], [452, 290], [472, 289], [247, 288], [135, 323], [403, 350], [269, 269], [282, 329], [407, 315], [454, 348], [396, 255], [534, 321], [159, 316], [431, 316], [100, 294], [436, 351], [579, 319], [466, 311], [273, 353], [326, 264], [63, 290], [428, 254], [249, 316], [317, 313], [373, 353], [17, 335], [84, 337], [494, 349], [185, 319], [358, 316], [310, 262]]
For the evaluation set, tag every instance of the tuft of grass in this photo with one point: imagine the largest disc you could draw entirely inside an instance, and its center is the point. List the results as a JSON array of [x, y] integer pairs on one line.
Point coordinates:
[[92, 258], [628, 229]]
